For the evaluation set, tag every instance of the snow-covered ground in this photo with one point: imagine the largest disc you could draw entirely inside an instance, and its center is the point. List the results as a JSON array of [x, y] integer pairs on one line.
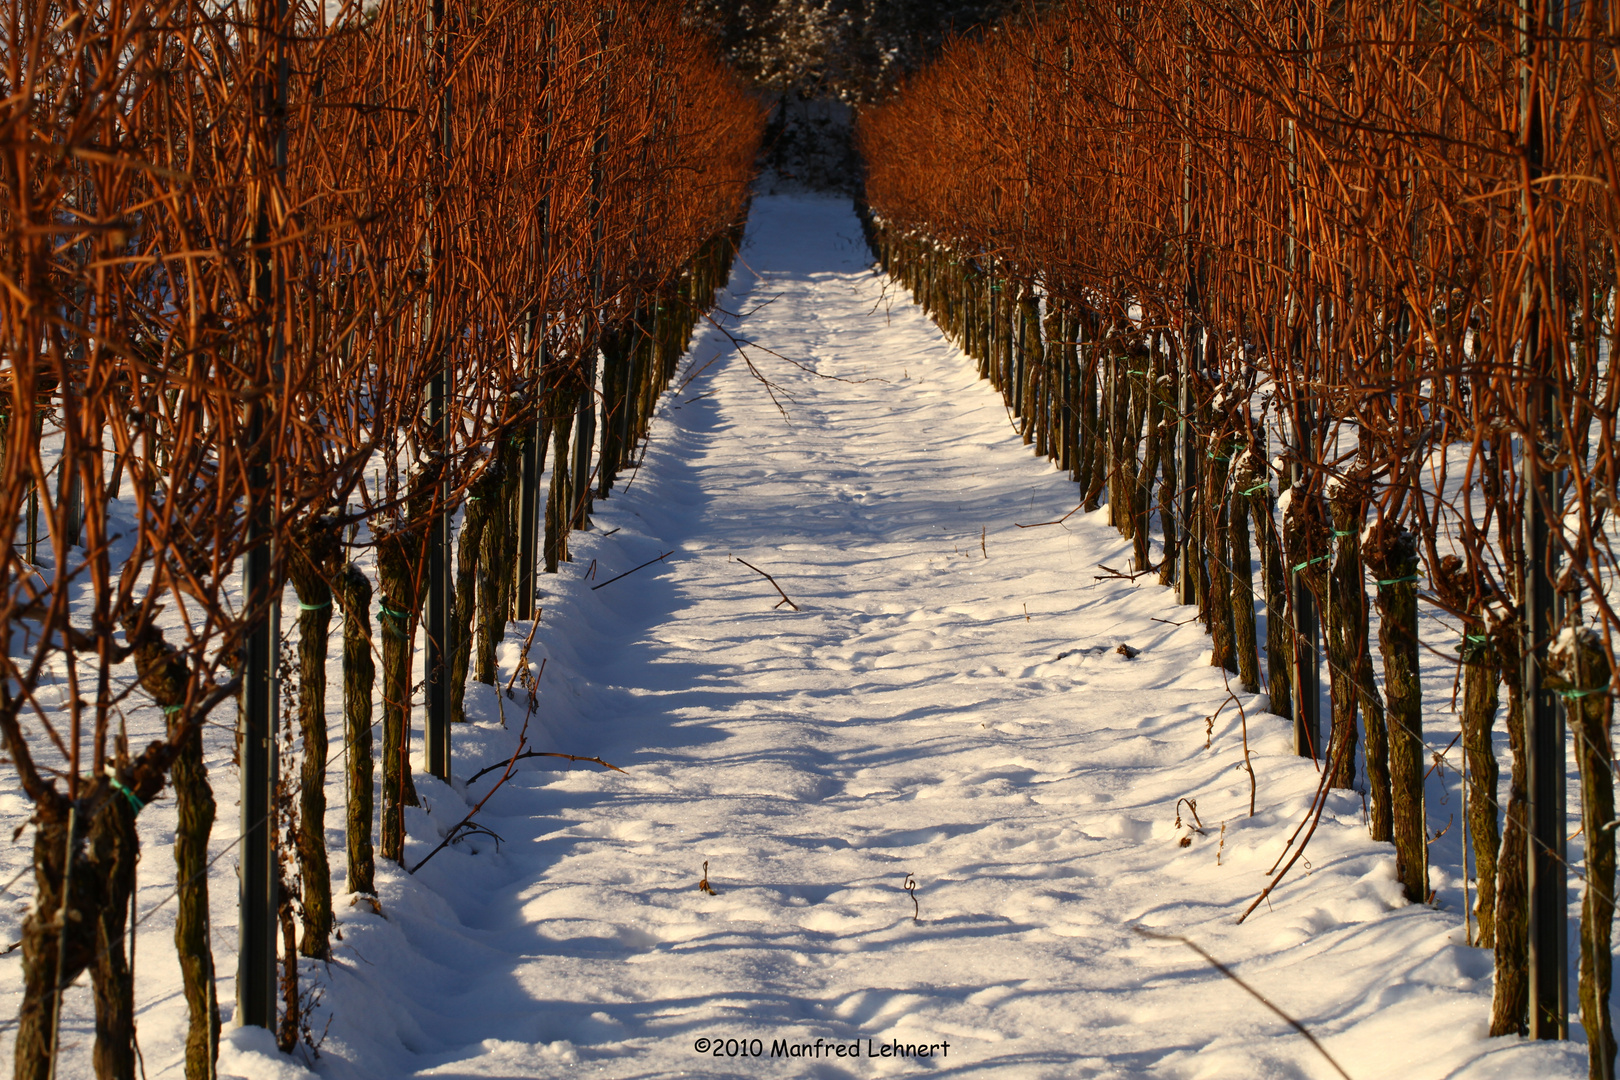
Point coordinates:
[[947, 706]]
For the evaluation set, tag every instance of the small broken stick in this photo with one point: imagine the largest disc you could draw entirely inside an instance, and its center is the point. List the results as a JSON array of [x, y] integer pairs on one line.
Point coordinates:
[[704, 886], [774, 585], [1121, 575], [546, 753], [632, 570]]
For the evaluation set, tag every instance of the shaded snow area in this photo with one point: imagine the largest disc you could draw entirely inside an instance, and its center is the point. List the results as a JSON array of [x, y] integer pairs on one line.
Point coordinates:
[[948, 704]]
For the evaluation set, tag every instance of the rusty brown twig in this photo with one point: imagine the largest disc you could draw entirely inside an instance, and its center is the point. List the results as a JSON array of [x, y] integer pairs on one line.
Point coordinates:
[[774, 585]]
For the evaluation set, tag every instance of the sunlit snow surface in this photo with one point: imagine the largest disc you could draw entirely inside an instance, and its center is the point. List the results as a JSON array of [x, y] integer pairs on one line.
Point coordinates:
[[914, 718]]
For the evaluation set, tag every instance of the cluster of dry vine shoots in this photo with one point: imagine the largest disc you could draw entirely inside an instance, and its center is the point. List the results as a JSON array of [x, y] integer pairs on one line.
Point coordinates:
[[238, 244], [1366, 253]]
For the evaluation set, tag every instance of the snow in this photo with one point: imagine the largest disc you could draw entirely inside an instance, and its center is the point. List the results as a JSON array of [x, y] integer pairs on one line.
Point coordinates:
[[946, 705]]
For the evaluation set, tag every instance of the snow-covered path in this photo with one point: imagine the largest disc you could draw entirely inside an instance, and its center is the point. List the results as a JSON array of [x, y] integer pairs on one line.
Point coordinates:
[[948, 705]]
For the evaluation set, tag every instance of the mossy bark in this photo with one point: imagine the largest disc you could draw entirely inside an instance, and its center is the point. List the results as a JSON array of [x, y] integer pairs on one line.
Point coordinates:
[[635, 392], [1060, 360], [1396, 564], [1349, 513], [1196, 541], [398, 551], [287, 1027], [1167, 499], [1222, 631], [491, 620], [163, 675], [1142, 492], [1344, 625], [1002, 362], [1121, 450], [1031, 358], [194, 799], [1094, 414], [48, 944], [313, 563], [559, 498], [1245, 643], [1304, 555], [1279, 647], [111, 848], [480, 500], [97, 914], [1581, 673], [506, 562], [618, 344], [1510, 996], [1480, 704], [359, 679]]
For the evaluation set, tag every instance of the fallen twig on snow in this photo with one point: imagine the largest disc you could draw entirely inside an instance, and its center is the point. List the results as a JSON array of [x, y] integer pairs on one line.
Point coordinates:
[[1315, 819], [1257, 995], [1112, 574], [465, 824], [633, 569], [548, 753], [1058, 521], [455, 830], [742, 343], [774, 585]]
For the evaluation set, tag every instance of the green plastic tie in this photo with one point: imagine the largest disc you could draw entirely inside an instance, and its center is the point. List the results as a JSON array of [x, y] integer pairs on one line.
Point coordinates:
[[313, 607], [1398, 580], [1344, 532], [1262, 486], [1307, 562], [386, 610], [170, 710], [134, 799], [1472, 647], [1604, 689]]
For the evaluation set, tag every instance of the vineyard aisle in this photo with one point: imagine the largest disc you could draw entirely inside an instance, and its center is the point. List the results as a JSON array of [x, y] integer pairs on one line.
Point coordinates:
[[945, 698]]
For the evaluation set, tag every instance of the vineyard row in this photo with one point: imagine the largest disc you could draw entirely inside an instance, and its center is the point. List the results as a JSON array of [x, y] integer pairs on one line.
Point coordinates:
[[280, 280], [1327, 289]]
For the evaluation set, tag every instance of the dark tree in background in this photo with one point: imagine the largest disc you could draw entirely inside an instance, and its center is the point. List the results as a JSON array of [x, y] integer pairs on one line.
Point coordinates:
[[821, 59], [850, 50]]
